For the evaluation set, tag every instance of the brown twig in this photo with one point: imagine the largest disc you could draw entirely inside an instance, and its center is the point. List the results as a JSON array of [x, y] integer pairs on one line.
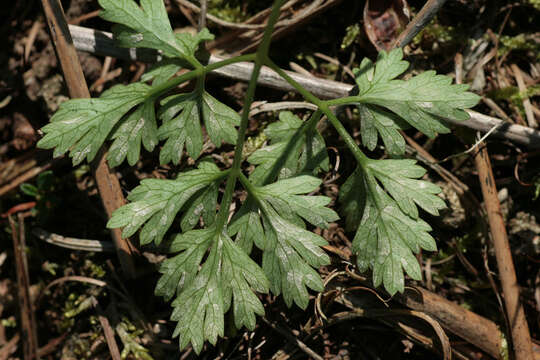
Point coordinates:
[[401, 326], [14, 183], [107, 331], [474, 328], [526, 101], [477, 330], [497, 109], [107, 182], [73, 243], [28, 321], [98, 84], [518, 324], [29, 43], [428, 11], [301, 345], [316, 8], [10, 347], [84, 17], [202, 15], [100, 42]]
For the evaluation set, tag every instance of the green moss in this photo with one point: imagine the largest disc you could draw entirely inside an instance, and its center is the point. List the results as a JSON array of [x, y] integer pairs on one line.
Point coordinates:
[[436, 32], [535, 4], [537, 188], [236, 10], [96, 271], [253, 143], [521, 42], [351, 34], [513, 95]]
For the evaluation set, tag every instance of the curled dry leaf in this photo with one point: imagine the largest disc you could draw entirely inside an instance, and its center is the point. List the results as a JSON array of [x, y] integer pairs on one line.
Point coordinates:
[[24, 133], [384, 20]]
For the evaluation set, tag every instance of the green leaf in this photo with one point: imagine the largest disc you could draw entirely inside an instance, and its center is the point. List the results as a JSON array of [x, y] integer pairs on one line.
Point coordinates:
[[290, 255], [284, 198], [82, 125], [179, 270], [272, 218], [148, 26], [241, 277], [228, 276], [247, 226], [202, 204], [398, 177], [387, 238], [139, 126], [191, 42], [181, 124], [29, 189], [199, 309], [352, 196], [423, 101], [155, 203], [295, 148], [162, 71], [373, 121]]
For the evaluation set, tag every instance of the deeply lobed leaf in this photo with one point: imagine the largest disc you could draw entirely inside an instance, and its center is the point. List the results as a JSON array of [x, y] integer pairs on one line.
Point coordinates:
[[398, 177], [381, 198], [228, 276], [387, 236], [148, 26], [81, 126], [139, 127], [272, 218], [294, 148], [423, 101], [155, 202], [181, 115]]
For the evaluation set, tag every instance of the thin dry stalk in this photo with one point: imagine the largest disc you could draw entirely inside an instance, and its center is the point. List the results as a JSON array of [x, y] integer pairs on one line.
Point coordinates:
[[519, 328], [100, 42], [428, 11], [107, 182], [202, 15], [289, 336], [474, 328], [526, 101], [28, 321], [107, 331], [10, 347], [14, 183]]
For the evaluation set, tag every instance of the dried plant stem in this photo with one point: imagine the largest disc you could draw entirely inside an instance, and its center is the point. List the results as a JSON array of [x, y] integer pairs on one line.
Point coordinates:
[[518, 324], [107, 182], [100, 42], [428, 11], [202, 15], [28, 320]]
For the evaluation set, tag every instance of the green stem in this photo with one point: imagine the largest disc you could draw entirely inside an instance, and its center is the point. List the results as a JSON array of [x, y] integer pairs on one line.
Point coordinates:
[[324, 107], [192, 60], [305, 93], [198, 72], [349, 141], [174, 82], [253, 192], [260, 57], [250, 188], [211, 67], [348, 100]]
